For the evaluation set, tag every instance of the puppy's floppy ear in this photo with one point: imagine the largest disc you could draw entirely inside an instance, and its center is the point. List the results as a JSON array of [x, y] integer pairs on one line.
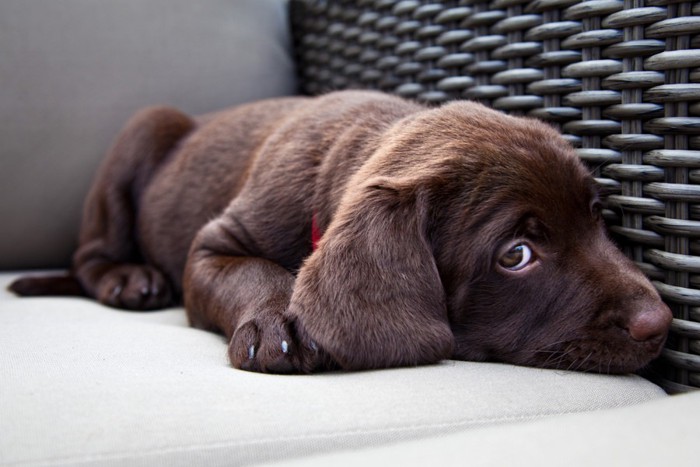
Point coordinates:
[[370, 296]]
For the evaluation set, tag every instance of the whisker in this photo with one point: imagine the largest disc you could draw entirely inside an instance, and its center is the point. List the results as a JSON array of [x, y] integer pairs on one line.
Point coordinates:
[[557, 356], [583, 362], [562, 359], [571, 366], [552, 344], [553, 353]]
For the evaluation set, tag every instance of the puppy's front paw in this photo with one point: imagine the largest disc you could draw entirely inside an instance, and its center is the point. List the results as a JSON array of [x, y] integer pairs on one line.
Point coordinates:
[[134, 287], [270, 344]]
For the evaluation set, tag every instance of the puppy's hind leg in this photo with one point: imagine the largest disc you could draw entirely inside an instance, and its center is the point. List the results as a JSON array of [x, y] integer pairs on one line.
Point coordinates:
[[108, 263]]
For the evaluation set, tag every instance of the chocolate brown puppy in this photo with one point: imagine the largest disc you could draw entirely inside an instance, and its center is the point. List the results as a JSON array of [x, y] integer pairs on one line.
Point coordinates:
[[452, 232]]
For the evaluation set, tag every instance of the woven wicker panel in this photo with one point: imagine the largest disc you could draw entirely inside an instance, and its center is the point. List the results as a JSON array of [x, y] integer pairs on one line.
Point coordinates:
[[619, 79]]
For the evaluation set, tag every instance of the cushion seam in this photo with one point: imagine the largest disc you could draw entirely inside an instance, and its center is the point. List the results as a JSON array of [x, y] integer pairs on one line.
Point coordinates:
[[313, 436]]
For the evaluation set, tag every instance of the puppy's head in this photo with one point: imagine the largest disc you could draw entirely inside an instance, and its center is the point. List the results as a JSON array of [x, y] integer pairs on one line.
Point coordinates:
[[529, 273], [478, 236]]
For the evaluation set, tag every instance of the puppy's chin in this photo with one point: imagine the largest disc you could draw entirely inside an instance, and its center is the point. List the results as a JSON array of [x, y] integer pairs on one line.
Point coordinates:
[[615, 354], [621, 339], [618, 340]]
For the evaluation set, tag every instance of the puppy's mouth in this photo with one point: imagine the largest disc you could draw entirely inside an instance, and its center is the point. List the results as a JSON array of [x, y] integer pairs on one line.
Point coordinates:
[[617, 355], [614, 342]]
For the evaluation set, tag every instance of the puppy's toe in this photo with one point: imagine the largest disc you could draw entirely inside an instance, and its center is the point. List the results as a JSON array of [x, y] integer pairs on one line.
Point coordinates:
[[134, 287], [267, 344], [311, 357], [244, 347], [263, 345], [146, 289], [282, 360]]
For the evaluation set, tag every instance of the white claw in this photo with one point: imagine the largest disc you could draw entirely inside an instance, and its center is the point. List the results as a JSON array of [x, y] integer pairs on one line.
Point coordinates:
[[251, 352], [313, 346], [285, 347]]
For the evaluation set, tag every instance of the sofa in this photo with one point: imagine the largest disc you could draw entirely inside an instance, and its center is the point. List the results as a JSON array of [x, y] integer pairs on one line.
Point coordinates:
[[81, 383]]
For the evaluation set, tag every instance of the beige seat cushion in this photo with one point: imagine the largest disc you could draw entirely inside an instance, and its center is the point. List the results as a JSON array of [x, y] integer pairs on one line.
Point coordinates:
[[80, 382], [662, 432]]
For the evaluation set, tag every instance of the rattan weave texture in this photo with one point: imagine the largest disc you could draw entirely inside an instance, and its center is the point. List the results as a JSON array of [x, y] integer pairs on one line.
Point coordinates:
[[620, 79]]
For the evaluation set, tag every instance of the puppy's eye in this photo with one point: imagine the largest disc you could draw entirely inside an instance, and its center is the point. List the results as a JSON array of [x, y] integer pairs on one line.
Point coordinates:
[[515, 259]]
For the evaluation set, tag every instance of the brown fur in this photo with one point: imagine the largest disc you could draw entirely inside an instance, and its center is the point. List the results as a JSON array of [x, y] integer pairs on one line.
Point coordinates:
[[418, 208]]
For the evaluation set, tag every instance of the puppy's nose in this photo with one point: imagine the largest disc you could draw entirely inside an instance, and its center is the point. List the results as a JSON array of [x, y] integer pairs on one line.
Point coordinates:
[[650, 324]]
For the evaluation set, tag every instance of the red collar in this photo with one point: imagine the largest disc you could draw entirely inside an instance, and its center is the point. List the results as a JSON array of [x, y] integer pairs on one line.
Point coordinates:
[[315, 233]]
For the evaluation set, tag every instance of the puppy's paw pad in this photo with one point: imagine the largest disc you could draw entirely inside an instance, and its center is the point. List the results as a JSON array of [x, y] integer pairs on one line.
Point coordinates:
[[134, 287]]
